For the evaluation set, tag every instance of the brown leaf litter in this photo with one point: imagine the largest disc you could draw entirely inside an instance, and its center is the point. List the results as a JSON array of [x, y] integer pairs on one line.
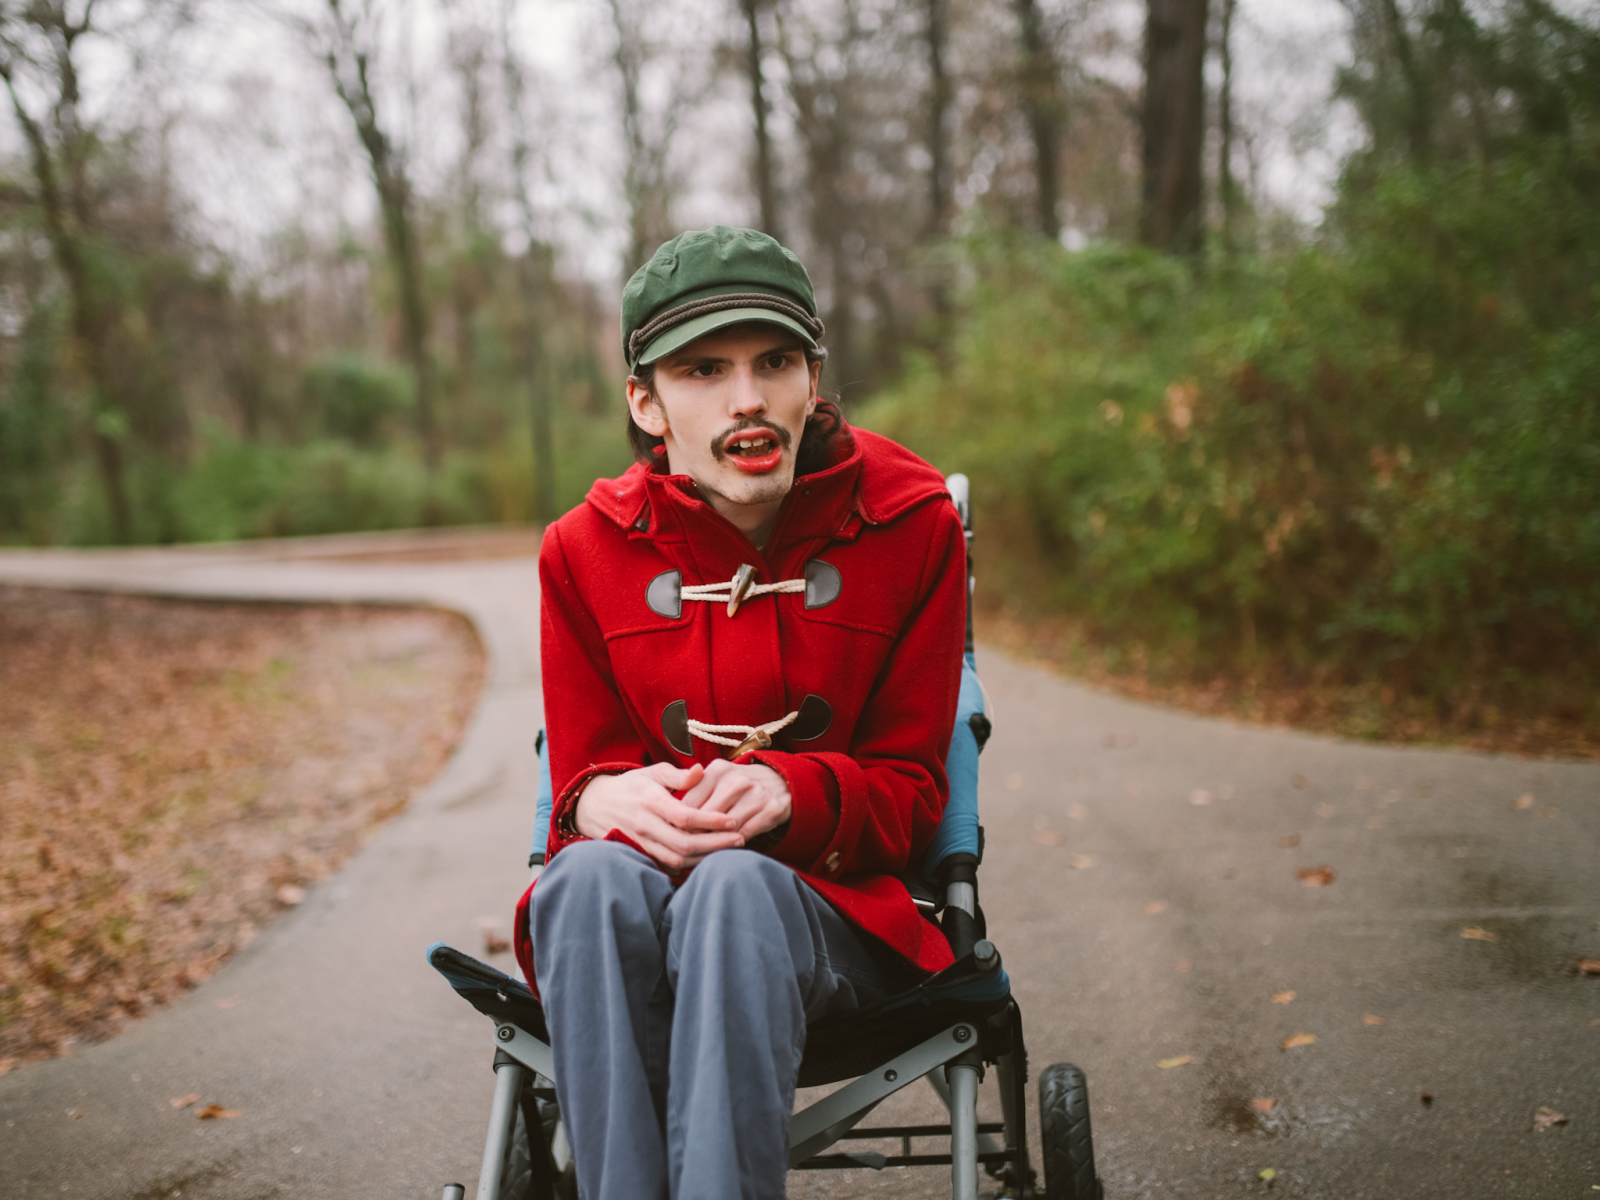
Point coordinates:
[[175, 774]]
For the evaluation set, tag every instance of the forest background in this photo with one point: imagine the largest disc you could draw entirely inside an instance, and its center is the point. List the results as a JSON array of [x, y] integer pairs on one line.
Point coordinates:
[[273, 267]]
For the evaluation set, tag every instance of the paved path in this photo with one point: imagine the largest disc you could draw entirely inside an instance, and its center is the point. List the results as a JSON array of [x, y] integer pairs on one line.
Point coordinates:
[[359, 1074]]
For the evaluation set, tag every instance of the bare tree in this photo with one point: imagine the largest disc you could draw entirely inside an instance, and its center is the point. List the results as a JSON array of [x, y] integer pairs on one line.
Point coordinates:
[[937, 38], [529, 341], [766, 185], [40, 45], [648, 184], [1041, 103], [1227, 187], [346, 41], [1173, 122]]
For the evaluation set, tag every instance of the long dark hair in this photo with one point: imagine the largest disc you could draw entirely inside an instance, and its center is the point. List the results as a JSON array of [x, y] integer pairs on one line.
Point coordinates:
[[824, 441]]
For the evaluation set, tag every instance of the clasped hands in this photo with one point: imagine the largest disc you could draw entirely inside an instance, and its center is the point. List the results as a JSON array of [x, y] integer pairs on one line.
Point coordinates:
[[724, 805]]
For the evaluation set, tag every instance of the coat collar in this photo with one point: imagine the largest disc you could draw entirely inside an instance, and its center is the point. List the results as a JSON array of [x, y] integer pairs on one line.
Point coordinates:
[[874, 483]]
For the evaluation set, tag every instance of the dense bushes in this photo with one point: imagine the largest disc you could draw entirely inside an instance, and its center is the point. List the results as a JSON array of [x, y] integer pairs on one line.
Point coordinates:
[[1376, 459]]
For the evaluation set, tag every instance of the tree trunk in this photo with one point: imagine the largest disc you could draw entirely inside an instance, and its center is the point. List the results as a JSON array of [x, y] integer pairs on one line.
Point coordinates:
[[1041, 101], [765, 184], [67, 221], [1419, 123], [938, 135], [351, 79], [1227, 189], [544, 470], [1173, 121]]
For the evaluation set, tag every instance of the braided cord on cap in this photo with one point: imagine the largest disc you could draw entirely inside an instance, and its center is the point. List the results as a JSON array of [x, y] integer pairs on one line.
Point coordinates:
[[674, 317]]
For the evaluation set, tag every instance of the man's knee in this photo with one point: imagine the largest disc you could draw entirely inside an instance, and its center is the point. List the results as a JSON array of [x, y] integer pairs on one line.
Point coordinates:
[[731, 876], [589, 873]]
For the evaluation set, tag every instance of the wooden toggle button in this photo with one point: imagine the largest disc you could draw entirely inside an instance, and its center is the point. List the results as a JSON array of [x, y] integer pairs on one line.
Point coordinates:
[[759, 740], [743, 580]]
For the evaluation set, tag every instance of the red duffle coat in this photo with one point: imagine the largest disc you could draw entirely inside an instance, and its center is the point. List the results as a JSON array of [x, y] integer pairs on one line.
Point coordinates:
[[884, 654]]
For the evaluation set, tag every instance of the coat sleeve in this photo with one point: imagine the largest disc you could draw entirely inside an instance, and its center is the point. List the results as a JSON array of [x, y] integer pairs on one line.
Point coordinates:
[[875, 810], [587, 726]]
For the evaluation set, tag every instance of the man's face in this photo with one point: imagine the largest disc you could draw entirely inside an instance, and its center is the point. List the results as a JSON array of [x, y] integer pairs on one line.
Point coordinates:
[[731, 408]]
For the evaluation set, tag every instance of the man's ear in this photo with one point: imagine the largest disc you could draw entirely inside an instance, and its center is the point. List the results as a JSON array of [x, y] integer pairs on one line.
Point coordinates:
[[645, 409], [816, 380]]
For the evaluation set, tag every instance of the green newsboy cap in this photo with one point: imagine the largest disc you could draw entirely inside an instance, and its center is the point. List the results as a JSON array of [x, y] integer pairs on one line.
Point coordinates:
[[707, 279]]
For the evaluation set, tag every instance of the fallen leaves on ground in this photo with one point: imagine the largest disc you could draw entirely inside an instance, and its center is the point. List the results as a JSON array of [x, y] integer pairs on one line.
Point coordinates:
[[172, 773], [1315, 876], [228, 1002], [1547, 1117], [1588, 966], [291, 894], [1299, 1039], [1282, 997], [1185, 965], [1427, 1099], [1081, 862], [1289, 841], [1369, 1019], [1267, 1174], [1474, 934], [494, 943], [1048, 837], [1200, 797], [215, 1112], [1183, 1060], [185, 1101], [1263, 1104], [1155, 907], [1325, 811], [1284, 697], [1525, 800]]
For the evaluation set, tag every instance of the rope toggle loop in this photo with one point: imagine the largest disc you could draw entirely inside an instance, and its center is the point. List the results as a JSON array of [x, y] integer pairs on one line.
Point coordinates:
[[738, 589], [756, 737]]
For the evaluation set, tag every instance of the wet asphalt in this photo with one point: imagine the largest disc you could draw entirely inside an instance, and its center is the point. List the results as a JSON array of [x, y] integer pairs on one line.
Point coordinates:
[[1142, 881]]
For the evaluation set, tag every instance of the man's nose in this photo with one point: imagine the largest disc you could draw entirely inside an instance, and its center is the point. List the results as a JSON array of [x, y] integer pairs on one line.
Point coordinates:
[[745, 398]]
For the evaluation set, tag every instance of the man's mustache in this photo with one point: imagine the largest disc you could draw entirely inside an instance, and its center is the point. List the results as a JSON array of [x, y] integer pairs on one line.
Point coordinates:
[[720, 442]]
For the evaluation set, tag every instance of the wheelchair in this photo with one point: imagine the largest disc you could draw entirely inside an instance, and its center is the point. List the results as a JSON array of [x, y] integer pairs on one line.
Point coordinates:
[[948, 1029]]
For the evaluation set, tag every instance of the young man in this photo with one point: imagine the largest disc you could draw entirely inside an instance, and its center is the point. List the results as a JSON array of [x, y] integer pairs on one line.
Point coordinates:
[[751, 657]]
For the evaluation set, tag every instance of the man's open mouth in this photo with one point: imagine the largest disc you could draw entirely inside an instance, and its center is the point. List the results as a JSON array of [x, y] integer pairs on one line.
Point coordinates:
[[754, 450]]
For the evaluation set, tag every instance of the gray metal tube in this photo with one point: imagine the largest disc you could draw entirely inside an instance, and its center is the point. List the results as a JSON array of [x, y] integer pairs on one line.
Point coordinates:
[[962, 896], [509, 1078], [1006, 1068], [963, 1132]]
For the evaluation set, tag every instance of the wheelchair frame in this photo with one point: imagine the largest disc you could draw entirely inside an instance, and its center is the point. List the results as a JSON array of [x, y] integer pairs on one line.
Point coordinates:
[[947, 1030]]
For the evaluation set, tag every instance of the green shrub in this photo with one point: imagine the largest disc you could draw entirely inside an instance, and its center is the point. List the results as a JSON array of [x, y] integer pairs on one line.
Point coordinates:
[[356, 397], [1376, 459]]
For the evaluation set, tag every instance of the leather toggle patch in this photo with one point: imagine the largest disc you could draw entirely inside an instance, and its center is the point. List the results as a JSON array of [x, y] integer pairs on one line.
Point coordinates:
[[675, 724], [816, 717], [664, 596], [823, 584]]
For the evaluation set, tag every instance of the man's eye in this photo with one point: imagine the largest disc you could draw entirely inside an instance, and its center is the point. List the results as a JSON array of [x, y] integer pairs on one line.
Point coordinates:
[[777, 362], [704, 370]]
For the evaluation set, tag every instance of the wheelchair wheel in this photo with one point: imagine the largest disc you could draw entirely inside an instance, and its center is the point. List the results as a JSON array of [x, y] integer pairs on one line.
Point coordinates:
[[1064, 1129], [530, 1171]]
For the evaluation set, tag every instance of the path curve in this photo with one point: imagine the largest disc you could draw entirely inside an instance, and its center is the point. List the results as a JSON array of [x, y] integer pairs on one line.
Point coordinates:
[[1139, 926]]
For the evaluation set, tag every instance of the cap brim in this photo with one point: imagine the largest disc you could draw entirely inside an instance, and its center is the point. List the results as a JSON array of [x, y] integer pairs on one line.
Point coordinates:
[[680, 336]]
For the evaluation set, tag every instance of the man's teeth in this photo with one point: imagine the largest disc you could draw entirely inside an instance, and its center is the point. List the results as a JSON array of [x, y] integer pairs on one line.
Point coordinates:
[[752, 448]]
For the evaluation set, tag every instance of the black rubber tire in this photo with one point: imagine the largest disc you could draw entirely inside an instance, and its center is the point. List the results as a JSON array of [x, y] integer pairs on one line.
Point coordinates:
[[1067, 1136], [516, 1177], [519, 1180]]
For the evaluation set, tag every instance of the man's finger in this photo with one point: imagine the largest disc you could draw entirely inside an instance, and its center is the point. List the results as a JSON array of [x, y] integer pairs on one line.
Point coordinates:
[[677, 778], [675, 813]]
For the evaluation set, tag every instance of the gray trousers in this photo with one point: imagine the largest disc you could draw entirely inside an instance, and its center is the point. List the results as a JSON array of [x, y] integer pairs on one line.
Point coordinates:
[[678, 1017]]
